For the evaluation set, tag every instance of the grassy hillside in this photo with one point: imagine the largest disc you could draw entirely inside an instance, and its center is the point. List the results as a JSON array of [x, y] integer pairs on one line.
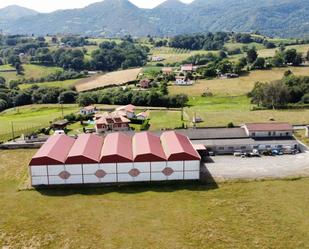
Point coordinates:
[[271, 214], [63, 84], [30, 71]]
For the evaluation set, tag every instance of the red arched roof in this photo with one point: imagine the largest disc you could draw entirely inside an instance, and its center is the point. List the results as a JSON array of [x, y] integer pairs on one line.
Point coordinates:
[[178, 147], [147, 147], [86, 149], [117, 148], [54, 151]]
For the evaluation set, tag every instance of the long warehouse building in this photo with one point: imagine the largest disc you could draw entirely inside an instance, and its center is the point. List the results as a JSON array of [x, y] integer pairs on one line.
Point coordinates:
[[116, 158]]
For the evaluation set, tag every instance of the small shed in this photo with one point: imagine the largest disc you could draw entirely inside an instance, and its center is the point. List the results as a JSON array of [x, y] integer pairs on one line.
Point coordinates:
[[60, 124]]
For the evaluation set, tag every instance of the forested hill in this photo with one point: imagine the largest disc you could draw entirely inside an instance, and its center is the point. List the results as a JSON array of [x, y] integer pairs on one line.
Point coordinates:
[[284, 18]]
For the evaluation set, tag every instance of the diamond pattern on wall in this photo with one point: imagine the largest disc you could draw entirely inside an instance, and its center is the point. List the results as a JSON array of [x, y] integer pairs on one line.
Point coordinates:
[[64, 175], [100, 173], [168, 171], [134, 172]]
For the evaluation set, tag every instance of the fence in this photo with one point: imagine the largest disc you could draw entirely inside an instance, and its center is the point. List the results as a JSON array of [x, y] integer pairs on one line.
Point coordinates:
[[7, 136]]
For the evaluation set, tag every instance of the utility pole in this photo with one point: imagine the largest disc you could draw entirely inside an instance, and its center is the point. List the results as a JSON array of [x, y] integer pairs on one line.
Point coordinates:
[[13, 135], [62, 110]]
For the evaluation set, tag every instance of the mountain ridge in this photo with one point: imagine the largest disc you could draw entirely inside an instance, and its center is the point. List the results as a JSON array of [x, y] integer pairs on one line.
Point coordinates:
[[283, 18]]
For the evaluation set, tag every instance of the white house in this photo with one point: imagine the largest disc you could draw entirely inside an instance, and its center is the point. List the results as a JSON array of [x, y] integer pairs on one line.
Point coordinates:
[[183, 81], [88, 110], [128, 109]]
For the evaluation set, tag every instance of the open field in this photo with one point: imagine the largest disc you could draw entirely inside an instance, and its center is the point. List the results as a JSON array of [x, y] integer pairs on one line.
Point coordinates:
[[300, 134], [109, 79], [27, 117], [30, 71], [269, 214], [165, 119], [63, 84], [303, 48], [238, 86], [172, 55]]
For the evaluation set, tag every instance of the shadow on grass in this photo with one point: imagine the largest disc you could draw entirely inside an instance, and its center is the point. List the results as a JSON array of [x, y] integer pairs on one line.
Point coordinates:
[[131, 188]]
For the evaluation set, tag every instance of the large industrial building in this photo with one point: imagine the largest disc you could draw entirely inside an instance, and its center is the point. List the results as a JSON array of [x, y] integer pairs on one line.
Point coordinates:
[[116, 158]]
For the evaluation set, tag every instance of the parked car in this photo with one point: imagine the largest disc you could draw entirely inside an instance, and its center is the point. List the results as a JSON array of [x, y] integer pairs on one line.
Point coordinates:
[[239, 153]]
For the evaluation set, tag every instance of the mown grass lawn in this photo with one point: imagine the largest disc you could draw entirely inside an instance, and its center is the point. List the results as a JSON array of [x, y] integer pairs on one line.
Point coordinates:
[[165, 119], [269, 214]]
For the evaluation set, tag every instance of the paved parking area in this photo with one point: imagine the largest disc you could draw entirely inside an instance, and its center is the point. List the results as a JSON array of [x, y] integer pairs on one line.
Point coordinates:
[[235, 168]]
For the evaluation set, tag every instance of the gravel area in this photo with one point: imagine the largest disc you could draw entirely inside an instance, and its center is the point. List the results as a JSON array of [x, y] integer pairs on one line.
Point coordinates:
[[224, 168]]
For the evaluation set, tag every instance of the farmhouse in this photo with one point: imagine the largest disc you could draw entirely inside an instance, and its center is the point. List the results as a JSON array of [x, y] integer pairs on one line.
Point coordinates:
[[188, 68], [167, 70], [88, 110], [256, 130], [183, 81], [111, 122], [128, 109], [117, 158]]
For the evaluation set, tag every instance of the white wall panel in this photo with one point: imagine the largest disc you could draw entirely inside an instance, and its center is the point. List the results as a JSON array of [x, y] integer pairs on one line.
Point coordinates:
[[124, 167], [192, 175], [39, 180], [176, 166], [158, 166], [158, 176], [109, 178], [108, 167], [176, 176], [192, 165], [125, 178], [142, 167], [91, 179], [74, 169], [38, 170], [55, 170], [56, 180], [74, 179], [90, 169], [142, 177]]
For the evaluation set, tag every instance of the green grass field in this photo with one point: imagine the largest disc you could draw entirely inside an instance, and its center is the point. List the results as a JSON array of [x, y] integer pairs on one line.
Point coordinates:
[[165, 119], [27, 117], [269, 214], [63, 84], [30, 71]]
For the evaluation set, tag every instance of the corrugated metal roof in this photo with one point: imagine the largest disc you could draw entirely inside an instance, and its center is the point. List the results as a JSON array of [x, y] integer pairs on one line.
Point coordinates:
[[86, 149], [269, 127], [54, 151], [147, 147], [117, 148], [178, 147]]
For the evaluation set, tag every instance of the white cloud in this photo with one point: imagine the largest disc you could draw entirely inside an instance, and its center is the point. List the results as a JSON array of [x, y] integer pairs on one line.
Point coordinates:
[[51, 5]]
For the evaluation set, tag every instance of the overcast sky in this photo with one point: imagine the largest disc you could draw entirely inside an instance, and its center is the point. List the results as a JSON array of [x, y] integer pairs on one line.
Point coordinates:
[[51, 5]]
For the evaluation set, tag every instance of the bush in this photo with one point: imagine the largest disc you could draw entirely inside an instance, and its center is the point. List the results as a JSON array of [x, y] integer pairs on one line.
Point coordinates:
[[230, 125]]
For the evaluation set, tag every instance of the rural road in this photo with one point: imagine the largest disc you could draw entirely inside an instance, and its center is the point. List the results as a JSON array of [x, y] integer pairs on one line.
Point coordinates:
[[225, 168]]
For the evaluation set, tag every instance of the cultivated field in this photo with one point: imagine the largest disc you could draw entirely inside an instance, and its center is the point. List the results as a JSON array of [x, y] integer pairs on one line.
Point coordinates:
[[270, 214], [110, 79], [304, 48]]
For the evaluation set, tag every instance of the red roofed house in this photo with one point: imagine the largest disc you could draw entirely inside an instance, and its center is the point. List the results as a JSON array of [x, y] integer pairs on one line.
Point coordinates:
[[112, 122], [145, 83], [188, 68], [117, 158], [167, 70], [129, 110], [269, 130]]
